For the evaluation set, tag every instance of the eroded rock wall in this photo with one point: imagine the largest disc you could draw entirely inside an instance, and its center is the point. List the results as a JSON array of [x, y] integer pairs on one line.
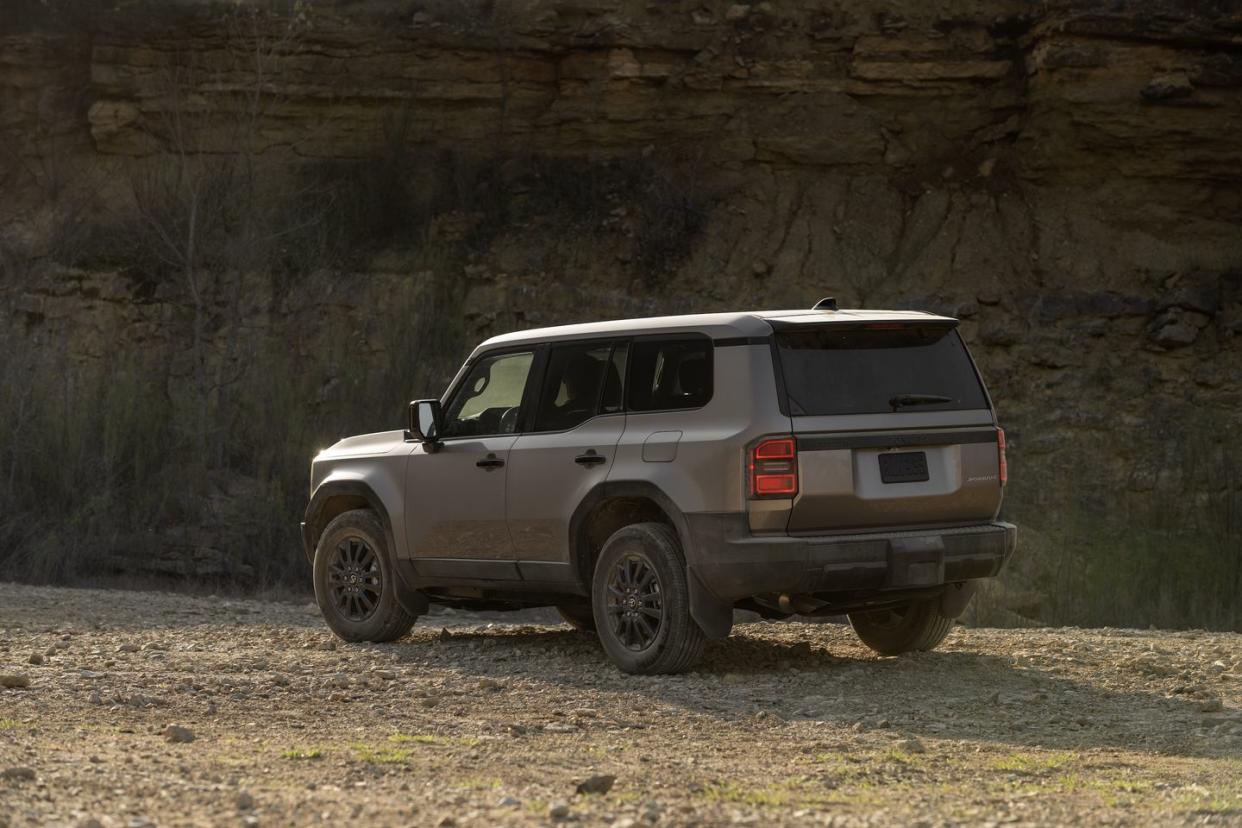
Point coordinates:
[[1066, 178]]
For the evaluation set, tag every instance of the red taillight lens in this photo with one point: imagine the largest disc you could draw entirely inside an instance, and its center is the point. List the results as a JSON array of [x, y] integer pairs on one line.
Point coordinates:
[[782, 449], [773, 468], [1000, 449]]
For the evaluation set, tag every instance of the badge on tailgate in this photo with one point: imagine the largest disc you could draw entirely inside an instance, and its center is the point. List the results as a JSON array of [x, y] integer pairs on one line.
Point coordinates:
[[903, 467]]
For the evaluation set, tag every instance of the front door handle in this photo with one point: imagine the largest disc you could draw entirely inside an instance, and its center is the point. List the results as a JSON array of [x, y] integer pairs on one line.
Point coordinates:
[[491, 461], [590, 458]]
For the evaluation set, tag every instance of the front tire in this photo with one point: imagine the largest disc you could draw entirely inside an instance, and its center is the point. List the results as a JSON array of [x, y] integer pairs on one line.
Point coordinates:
[[641, 602], [355, 580], [916, 627]]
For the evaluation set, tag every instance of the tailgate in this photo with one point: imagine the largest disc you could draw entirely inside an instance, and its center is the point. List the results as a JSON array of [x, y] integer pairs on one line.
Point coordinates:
[[880, 479]]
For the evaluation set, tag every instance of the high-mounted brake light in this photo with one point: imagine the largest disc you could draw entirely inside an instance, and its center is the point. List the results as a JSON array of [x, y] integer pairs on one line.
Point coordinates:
[[1000, 449], [772, 468], [884, 326]]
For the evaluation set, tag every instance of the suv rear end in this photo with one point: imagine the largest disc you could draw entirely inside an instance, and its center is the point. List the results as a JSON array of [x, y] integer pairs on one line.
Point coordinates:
[[882, 493]]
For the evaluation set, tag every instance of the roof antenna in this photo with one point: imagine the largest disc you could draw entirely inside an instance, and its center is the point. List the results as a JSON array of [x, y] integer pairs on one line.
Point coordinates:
[[827, 303]]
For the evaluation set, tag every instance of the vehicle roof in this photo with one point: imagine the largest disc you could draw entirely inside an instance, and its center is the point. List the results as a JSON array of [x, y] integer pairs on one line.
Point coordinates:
[[715, 325]]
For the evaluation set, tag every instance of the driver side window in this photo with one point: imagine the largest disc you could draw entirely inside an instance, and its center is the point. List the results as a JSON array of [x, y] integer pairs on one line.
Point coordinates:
[[490, 400]]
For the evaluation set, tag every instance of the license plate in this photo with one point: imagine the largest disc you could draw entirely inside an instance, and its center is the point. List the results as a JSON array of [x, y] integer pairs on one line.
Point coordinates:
[[904, 467]]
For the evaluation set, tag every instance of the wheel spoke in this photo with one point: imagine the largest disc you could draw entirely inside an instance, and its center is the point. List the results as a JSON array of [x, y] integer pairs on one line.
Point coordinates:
[[647, 631], [648, 575]]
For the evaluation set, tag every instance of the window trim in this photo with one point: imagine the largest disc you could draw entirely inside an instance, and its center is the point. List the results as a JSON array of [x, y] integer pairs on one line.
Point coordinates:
[[538, 354], [672, 337], [538, 376]]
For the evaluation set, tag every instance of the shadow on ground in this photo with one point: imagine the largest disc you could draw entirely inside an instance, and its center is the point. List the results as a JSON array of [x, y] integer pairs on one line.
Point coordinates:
[[947, 694]]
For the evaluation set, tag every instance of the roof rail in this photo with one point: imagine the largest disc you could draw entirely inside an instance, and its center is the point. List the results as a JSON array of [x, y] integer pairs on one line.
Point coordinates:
[[827, 303]]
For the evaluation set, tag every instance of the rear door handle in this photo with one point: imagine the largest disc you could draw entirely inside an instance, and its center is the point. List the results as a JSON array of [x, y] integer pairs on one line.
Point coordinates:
[[491, 461], [590, 458]]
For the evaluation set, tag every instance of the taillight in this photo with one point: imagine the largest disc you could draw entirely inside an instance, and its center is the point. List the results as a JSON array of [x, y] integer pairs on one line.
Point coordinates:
[[1000, 449], [772, 468]]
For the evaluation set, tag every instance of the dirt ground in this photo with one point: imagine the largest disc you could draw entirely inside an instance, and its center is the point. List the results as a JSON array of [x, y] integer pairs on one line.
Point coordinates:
[[470, 722]]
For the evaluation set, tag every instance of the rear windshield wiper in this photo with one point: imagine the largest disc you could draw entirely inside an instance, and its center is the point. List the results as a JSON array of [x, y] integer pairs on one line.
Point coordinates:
[[917, 399]]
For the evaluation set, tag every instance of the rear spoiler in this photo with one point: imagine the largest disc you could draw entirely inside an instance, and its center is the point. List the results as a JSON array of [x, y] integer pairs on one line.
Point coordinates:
[[864, 324]]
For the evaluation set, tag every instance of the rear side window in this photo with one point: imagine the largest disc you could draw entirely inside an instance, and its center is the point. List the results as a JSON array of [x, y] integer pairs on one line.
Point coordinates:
[[873, 370], [670, 374]]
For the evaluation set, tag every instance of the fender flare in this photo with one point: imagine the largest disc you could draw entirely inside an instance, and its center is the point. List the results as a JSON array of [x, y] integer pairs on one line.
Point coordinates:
[[413, 601], [714, 615]]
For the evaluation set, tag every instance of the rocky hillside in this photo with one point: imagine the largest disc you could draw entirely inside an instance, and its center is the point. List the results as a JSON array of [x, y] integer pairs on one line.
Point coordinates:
[[240, 233]]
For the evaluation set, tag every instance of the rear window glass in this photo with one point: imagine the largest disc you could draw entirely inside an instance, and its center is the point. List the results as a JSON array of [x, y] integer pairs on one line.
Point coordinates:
[[836, 370]]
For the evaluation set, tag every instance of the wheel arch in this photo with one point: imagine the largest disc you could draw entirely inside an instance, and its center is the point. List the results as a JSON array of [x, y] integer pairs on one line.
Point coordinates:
[[335, 497], [340, 495], [614, 504]]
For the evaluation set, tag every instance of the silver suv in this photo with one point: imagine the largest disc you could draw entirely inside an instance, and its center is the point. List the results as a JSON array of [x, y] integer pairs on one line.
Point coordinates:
[[648, 476]]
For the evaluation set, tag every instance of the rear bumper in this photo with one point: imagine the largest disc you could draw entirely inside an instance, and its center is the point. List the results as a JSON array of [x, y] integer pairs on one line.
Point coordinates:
[[734, 564]]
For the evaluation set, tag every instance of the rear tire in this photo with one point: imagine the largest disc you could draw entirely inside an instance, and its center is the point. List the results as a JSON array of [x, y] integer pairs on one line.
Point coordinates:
[[355, 580], [579, 616], [641, 601], [917, 627]]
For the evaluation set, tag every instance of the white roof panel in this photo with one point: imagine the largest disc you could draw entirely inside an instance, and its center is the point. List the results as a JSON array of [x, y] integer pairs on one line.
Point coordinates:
[[715, 325]]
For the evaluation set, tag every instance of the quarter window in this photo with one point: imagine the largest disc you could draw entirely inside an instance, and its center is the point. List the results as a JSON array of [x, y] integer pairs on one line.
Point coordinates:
[[670, 374]]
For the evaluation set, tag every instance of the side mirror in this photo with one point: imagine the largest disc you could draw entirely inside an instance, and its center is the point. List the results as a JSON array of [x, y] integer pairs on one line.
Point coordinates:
[[425, 421]]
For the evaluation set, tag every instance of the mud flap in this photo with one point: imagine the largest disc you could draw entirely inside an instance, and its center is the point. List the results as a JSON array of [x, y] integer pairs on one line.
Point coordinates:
[[714, 616], [410, 599], [955, 598]]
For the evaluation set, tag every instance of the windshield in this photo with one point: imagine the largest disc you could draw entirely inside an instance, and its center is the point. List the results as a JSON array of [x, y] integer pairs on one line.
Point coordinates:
[[876, 369]]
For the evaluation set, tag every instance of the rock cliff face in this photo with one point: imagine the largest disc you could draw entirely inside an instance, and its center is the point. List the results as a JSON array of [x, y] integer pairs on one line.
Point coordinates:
[[1064, 177]]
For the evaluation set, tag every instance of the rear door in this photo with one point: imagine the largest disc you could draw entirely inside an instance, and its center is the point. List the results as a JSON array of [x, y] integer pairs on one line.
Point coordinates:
[[567, 451], [892, 423]]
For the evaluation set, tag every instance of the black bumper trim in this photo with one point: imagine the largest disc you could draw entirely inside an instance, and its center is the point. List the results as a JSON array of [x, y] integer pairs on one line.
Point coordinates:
[[733, 564]]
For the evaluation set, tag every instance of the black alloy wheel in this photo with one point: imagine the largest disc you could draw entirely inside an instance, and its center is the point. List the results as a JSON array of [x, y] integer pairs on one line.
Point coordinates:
[[354, 579], [356, 582], [640, 598], [635, 602]]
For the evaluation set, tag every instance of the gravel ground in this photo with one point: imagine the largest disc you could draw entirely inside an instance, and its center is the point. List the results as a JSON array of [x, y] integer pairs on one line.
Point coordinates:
[[155, 709]]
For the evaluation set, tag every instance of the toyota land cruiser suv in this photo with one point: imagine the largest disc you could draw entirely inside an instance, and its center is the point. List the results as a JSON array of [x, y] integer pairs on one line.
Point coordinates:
[[648, 476]]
